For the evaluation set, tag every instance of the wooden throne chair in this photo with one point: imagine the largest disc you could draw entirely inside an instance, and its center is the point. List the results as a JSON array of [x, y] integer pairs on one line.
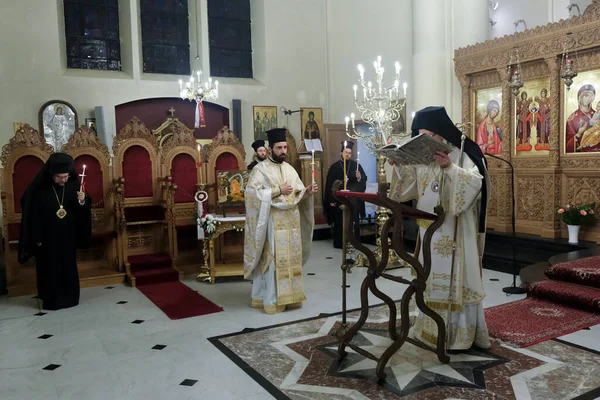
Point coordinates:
[[22, 158], [181, 173], [225, 153], [104, 254], [144, 223]]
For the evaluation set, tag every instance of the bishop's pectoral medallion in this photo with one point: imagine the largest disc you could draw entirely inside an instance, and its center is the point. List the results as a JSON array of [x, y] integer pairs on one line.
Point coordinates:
[[61, 213]]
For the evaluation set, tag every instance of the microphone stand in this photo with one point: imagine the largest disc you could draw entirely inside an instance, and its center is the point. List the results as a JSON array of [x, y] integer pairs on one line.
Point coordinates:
[[514, 289]]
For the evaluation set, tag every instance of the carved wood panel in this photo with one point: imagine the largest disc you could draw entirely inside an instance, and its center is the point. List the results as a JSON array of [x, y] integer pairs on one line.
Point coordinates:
[[542, 182]]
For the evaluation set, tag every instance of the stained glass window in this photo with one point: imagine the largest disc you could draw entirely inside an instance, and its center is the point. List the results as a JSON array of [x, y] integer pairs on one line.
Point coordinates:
[[230, 38], [92, 33], [165, 36]]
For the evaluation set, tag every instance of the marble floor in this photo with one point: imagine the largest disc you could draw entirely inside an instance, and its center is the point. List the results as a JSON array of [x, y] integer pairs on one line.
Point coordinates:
[[117, 345]]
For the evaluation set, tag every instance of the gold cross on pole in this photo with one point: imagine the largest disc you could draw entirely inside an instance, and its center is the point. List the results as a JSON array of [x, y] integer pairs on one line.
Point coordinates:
[[172, 111]]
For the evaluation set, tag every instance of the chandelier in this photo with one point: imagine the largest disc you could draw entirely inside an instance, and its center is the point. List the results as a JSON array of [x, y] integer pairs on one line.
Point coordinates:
[[379, 106], [515, 79], [198, 91], [567, 66]]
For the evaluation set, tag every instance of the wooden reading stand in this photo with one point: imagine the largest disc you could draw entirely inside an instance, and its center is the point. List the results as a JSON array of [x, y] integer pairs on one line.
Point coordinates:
[[377, 270]]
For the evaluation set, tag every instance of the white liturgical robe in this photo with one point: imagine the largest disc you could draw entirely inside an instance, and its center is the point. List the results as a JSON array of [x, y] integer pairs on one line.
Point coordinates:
[[277, 237], [460, 189]]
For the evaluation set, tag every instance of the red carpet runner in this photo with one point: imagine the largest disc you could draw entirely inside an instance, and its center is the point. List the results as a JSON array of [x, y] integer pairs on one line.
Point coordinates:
[[566, 303], [530, 321], [158, 281]]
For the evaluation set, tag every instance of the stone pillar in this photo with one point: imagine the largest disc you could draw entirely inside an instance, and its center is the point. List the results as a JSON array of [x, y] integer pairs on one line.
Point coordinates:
[[430, 53], [439, 27], [469, 26]]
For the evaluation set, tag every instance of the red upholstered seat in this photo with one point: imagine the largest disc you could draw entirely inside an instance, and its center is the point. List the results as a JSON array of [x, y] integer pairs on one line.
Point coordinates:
[[94, 180], [144, 214], [185, 176], [26, 168], [226, 162], [137, 172]]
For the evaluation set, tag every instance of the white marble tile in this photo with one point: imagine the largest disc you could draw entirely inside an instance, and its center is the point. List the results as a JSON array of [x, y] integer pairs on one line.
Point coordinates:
[[104, 356], [18, 384]]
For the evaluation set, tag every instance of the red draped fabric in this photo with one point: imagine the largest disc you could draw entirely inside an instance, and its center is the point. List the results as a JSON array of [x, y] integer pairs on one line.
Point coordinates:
[[184, 174], [94, 182], [26, 168], [137, 171]]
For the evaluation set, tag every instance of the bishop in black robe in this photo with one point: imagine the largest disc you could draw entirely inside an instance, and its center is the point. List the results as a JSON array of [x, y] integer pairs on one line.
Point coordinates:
[[357, 182], [56, 221]]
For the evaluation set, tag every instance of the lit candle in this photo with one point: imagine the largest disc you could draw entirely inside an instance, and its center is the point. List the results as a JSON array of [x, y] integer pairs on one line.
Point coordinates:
[[313, 166], [361, 71], [404, 86], [398, 67], [199, 161], [357, 157], [344, 155], [352, 117], [347, 120], [198, 74], [180, 85], [82, 179], [355, 88]]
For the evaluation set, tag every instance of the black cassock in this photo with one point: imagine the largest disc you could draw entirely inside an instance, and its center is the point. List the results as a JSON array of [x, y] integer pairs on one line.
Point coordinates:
[[56, 265], [252, 165], [334, 214]]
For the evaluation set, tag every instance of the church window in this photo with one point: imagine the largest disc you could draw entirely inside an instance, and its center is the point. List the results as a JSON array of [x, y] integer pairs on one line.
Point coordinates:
[[92, 34], [229, 32], [165, 36]]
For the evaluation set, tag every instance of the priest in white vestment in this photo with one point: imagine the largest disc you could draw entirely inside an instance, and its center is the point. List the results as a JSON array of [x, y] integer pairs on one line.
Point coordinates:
[[462, 188], [279, 228]]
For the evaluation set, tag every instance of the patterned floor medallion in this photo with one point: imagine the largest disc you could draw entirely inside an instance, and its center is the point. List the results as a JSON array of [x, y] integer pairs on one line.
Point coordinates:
[[299, 360]]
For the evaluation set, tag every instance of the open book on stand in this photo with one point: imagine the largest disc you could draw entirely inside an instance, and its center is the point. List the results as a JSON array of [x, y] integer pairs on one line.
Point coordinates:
[[415, 151]]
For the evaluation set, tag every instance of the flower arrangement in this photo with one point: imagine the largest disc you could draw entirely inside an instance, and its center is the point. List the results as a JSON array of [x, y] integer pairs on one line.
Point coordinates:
[[577, 215], [209, 223]]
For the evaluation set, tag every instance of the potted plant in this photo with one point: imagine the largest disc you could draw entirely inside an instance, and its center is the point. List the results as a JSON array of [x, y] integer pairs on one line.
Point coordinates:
[[575, 216]]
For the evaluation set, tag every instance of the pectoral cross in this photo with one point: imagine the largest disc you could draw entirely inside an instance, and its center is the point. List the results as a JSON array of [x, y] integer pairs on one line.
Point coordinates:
[[172, 111]]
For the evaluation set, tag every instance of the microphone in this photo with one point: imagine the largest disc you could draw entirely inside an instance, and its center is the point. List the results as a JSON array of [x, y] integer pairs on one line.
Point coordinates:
[[514, 289]]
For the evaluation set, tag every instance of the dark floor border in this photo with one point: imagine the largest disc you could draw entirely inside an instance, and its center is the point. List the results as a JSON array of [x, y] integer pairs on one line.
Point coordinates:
[[280, 395]]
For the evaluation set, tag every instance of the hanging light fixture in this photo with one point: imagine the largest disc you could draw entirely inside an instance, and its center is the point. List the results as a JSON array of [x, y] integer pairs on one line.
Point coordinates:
[[568, 70], [515, 78]]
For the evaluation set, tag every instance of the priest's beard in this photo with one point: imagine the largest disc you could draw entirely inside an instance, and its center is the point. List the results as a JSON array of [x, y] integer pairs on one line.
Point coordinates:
[[278, 158], [259, 158]]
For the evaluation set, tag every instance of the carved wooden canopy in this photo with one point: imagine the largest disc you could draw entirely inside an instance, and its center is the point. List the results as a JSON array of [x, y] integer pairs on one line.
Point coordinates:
[[135, 129], [173, 133], [84, 137], [226, 137], [26, 137]]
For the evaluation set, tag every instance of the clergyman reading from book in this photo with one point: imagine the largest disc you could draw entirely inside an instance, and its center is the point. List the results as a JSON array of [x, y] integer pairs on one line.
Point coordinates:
[[462, 188]]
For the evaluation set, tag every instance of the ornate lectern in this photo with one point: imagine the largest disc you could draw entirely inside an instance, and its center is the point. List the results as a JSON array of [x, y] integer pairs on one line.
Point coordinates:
[[376, 269]]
